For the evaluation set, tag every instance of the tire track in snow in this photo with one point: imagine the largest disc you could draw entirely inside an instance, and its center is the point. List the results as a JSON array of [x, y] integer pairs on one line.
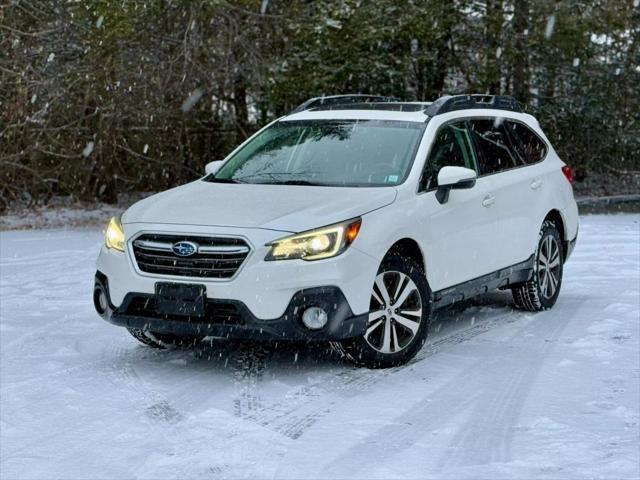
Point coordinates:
[[122, 373], [248, 366], [115, 366], [110, 356], [304, 406], [475, 439], [475, 442]]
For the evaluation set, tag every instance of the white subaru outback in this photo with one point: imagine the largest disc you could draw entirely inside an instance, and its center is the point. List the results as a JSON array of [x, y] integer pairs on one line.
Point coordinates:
[[349, 221]]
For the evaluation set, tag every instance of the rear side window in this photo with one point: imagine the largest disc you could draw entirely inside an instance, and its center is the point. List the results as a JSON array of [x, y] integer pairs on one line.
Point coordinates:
[[452, 147], [496, 151], [527, 144]]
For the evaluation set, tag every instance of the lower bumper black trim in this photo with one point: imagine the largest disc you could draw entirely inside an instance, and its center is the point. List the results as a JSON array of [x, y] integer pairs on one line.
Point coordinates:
[[233, 319], [503, 278]]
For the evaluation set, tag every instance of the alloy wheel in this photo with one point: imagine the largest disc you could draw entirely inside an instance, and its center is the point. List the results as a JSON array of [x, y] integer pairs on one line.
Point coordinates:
[[549, 266], [395, 312]]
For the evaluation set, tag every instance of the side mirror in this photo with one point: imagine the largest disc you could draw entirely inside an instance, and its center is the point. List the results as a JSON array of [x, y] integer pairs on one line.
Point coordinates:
[[454, 178], [213, 167]]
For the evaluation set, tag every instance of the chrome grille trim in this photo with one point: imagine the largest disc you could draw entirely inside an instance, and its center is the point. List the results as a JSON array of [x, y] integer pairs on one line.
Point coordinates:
[[149, 245], [216, 257], [222, 249], [168, 247]]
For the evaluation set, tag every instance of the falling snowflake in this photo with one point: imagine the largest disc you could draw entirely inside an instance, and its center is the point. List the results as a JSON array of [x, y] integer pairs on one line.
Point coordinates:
[[99, 21], [499, 52], [190, 102], [576, 62], [333, 23], [414, 45], [88, 149], [551, 24], [145, 149], [51, 57]]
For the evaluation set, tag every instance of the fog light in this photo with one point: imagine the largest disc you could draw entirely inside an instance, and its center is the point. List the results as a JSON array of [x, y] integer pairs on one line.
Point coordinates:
[[314, 318], [100, 301]]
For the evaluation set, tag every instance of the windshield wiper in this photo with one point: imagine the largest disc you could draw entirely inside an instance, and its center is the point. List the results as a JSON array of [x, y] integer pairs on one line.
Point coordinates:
[[213, 179], [275, 176], [299, 182]]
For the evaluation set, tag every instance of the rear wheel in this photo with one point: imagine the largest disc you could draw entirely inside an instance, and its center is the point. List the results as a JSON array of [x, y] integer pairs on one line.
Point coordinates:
[[164, 340], [399, 316], [541, 292]]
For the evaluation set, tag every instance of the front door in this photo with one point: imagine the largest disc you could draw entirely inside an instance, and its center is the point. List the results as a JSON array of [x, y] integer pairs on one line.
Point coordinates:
[[460, 234]]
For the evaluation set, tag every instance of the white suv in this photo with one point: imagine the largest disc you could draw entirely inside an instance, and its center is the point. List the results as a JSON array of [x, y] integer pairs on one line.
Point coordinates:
[[349, 220]]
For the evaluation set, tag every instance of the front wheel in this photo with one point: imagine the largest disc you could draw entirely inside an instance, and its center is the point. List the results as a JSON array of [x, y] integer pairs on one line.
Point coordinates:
[[164, 340], [541, 292], [399, 316]]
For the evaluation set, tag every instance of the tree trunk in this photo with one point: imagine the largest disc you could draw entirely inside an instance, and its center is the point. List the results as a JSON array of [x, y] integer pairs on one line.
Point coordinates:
[[520, 57], [493, 28], [240, 107]]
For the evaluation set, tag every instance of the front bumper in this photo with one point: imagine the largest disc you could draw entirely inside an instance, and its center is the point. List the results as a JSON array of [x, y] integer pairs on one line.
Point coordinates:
[[264, 299], [233, 319], [266, 288]]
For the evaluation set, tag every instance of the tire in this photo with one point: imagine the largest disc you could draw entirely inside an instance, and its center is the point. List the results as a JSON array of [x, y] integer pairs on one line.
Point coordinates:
[[393, 336], [541, 292], [164, 340]]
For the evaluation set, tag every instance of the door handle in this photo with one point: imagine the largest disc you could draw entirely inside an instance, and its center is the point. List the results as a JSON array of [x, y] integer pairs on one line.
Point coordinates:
[[488, 201], [536, 184]]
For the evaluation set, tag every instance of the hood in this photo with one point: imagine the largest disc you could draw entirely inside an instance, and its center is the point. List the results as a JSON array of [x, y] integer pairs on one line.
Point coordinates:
[[287, 208]]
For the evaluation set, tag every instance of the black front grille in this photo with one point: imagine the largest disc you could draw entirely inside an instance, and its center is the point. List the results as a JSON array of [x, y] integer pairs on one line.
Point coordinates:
[[216, 312], [153, 254]]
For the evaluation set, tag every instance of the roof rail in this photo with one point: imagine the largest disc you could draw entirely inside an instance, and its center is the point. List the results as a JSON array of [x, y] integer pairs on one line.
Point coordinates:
[[388, 106], [463, 102], [335, 100]]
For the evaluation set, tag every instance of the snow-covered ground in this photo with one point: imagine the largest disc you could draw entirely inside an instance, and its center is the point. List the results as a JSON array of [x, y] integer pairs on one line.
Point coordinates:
[[495, 393]]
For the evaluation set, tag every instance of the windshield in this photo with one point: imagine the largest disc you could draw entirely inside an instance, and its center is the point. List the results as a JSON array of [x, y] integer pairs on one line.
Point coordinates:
[[360, 153]]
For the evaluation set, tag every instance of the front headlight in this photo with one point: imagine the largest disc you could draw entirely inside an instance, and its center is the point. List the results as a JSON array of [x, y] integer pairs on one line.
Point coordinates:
[[114, 235], [316, 244]]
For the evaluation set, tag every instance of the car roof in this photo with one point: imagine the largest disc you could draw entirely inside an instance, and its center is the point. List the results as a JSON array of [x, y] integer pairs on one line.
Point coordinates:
[[375, 107], [358, 114], [416, 117]]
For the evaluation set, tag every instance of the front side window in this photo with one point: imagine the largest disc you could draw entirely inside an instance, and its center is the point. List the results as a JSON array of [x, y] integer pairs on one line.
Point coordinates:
[[367, 153], [527, 144], [495, 147], [451, 147]]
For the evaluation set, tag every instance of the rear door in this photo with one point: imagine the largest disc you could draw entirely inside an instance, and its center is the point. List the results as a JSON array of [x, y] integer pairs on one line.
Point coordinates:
[[460, 234], [526, 190], [518, 186]]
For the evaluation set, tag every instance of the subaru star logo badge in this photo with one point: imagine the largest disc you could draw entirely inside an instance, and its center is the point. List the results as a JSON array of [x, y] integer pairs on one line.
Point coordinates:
[[184, 249]]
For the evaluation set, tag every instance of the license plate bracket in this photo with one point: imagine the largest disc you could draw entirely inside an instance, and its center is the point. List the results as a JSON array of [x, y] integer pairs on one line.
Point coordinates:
[[180, 299]]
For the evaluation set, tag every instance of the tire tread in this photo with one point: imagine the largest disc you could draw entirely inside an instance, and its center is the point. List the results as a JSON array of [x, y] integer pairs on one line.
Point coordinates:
[[527, 296]]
